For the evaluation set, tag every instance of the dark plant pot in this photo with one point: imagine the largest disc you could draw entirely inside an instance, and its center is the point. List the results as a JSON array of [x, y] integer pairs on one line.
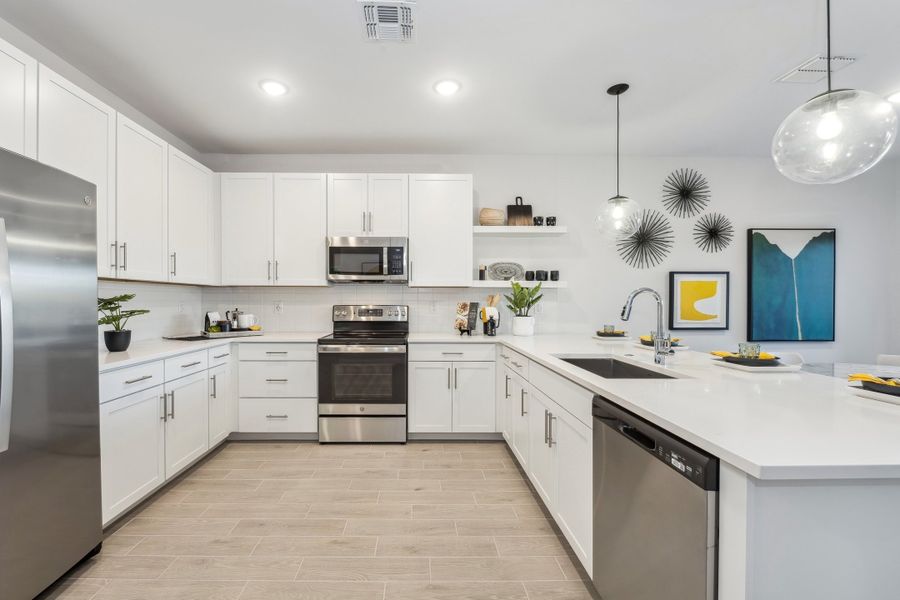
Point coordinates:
[[117, 341]]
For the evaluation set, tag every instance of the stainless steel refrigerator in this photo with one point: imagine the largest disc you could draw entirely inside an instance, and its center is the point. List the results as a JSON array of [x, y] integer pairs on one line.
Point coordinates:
[[49, 413]]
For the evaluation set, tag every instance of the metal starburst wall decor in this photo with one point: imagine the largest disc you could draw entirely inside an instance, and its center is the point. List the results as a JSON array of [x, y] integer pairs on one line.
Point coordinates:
[[647, 239], [713, 232], [685, 193]]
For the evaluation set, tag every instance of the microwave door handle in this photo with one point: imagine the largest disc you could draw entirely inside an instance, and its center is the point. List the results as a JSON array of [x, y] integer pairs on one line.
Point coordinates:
[[6, 342], [384, 260]]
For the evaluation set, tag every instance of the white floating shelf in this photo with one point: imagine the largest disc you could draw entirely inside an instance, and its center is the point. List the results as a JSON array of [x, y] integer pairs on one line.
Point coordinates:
[[493, 283], [519, 230]]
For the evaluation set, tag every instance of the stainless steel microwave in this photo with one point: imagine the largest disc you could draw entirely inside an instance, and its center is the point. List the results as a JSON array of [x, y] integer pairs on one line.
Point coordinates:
[[368, 259]]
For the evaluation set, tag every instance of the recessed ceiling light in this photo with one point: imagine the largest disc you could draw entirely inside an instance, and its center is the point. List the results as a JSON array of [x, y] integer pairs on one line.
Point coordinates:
[[447, 87], [273, 88], [895, 98]]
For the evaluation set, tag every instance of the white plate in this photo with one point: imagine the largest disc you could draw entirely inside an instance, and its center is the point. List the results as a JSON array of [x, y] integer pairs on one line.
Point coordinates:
[[746, 369], [623, 338], [874, 395], [676, 348]]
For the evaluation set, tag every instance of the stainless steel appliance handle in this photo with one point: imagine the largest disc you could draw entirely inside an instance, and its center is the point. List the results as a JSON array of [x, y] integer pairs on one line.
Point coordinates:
[[522, 411], [191, 364], [137, 379], [384, 259], [276, 416], [362, 349], [124, 256], [6, 341], [550, 441], [215, 390]]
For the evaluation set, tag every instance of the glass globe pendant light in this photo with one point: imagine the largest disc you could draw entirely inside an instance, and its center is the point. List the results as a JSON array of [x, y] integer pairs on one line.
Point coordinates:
[[835, 136], [615, 215]]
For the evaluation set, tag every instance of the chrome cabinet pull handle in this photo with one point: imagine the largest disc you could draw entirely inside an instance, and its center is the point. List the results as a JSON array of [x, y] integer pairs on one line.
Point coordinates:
[[215, 391], [522, 403], [174, 264], [516, 364], [546, 419], [370, 222], [144, 378], [448, 378], [115, 256], [222, 355], [364, 221], [172, 397], [506, 392], [279, 352], [165, 414], [550, 441], [269, 270], [452, 353], [276, 416], [455, 378], [124, 256], [193, 364], [277, 380], [276, 270]]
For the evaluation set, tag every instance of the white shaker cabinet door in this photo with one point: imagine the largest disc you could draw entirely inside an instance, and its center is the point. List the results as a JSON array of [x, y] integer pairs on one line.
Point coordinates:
[[142, 167], [77, 134], [221, 395], [190, 202], [473, 397], [347, 204], [187, 421], [18, 101], [388, 213], [430, 397], [573, 441], [518, 425], [440, 230], [300, 229], [132, 449], [247, 224], [541, 453]]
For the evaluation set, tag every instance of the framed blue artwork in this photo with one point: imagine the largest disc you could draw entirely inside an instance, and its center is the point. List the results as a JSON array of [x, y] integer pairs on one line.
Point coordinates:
[[790, 285]]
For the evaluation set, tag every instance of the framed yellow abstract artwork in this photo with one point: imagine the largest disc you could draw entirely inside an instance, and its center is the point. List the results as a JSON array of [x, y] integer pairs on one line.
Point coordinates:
[[698, 299]]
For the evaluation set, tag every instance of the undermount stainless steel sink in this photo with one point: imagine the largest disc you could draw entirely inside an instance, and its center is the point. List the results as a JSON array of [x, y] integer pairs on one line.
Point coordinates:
[[611, 368]]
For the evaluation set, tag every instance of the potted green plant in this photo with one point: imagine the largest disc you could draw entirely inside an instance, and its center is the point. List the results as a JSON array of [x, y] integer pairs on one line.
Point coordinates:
[[521, 301], [118, 339]]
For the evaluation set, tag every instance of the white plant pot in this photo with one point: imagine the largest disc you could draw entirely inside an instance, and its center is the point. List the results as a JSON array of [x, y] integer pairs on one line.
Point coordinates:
[[523, 326]]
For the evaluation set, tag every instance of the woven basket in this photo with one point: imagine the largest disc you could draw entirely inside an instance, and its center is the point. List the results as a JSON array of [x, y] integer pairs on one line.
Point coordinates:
[[491, 216]]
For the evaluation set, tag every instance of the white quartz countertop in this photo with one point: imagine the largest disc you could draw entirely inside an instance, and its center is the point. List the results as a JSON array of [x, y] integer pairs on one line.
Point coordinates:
[[769, 425]]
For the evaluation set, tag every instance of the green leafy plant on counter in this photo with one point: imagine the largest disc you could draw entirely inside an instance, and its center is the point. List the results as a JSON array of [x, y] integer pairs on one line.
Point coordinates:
[[111, 309], [523, 298]]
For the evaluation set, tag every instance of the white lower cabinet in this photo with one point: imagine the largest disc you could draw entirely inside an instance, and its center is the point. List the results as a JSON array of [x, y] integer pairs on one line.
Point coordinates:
[[187, 421], [573, 445], [278, 386], [542, 453], [222, 401], [453, 397], [519, 402], [279, 415], [132, 449]]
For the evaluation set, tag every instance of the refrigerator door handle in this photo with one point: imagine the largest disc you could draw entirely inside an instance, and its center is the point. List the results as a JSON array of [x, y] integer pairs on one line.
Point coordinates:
[[6, 342]]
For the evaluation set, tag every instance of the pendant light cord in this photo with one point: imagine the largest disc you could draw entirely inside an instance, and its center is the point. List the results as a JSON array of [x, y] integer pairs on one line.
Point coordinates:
[[617, 144], [828, 39]]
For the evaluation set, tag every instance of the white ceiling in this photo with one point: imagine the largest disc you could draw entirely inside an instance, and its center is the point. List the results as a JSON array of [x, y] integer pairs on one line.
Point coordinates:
[[534, 72]]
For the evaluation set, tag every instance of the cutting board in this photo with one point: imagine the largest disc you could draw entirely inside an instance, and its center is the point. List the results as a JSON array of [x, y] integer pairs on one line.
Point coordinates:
[[519, 213]]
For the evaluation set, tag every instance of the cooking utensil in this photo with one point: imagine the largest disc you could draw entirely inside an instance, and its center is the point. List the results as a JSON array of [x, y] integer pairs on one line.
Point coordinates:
[[518, 213]]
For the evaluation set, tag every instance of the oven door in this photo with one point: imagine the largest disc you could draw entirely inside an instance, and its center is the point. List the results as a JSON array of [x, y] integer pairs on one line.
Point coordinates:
[[362, 379], [367, 259]]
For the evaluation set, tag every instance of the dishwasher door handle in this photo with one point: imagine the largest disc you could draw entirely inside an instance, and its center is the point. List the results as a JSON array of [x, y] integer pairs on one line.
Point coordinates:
[[637, 437]]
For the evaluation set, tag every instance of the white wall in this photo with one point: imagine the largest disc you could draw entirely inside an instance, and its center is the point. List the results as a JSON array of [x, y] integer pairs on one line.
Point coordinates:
[[747, 190], [173, 308]]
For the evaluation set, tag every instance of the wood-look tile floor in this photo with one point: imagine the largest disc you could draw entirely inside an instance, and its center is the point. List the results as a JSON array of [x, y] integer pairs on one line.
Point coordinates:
[[300, 521]]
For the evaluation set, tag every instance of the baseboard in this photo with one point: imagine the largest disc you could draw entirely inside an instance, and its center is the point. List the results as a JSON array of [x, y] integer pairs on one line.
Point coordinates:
[[458, 437], [259, 437]]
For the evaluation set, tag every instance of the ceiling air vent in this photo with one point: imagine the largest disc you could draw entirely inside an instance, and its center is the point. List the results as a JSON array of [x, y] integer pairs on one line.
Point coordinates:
[[815, 69], [388, 20]]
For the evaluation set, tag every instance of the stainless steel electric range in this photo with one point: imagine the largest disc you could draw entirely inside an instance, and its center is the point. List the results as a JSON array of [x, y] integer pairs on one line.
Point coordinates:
[[363, 375]]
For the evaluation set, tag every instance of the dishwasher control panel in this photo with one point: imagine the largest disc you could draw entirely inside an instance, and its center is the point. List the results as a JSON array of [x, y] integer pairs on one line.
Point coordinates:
[[692, 470]]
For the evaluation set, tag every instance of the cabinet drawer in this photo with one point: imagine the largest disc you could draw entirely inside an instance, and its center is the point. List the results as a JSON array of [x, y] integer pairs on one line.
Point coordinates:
[[186, 364], [277, 379], [570, 396], [115, 384], [514, 361], [219, 356], [455, 352], [274, 351], [295, 415]]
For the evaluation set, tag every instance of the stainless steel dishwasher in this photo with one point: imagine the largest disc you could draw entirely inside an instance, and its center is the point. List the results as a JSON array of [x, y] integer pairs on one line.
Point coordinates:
[[655, 511]]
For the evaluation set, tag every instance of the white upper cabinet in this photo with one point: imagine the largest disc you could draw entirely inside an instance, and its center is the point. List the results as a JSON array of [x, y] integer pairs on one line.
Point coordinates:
[[440, 230], [299, 236], [388, 210], [18, 101], [190, 204], [348, 204], [77, 134], [142, 165], [247, 229], [368, 204]]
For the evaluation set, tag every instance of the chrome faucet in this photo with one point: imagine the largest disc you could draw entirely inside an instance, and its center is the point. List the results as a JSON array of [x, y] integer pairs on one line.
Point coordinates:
[[662, 341]]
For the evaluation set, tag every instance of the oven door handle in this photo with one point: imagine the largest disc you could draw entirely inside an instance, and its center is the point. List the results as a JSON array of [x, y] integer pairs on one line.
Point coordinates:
[[361, 349]]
